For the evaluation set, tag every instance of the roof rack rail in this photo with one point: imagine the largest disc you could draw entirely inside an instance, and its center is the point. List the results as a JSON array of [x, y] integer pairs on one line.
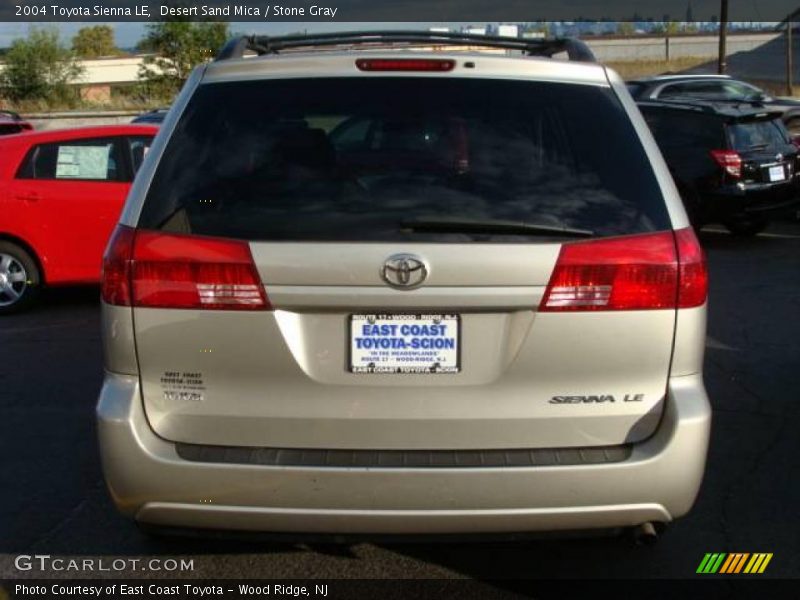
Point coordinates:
[[576, 49]]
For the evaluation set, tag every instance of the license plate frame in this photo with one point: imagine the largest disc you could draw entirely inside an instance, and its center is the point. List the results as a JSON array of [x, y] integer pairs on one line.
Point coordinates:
[[399, 358]]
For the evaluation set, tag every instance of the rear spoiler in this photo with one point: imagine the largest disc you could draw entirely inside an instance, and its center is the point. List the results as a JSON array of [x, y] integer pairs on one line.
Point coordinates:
[[575, 49]]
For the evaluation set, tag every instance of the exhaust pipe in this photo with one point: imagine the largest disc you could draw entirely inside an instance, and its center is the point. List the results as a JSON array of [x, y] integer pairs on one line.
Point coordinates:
[[645, 534]]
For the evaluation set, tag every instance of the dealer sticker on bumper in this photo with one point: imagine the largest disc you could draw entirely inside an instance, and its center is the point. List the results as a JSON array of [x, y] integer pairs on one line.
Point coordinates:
[[777, 173], [411, 344]]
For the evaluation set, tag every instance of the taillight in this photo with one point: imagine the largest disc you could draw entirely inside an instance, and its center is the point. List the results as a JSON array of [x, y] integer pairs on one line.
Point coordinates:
[[639, 272], [693, 276], [115, 287], [405, 64], [729, 160], [184, 271]]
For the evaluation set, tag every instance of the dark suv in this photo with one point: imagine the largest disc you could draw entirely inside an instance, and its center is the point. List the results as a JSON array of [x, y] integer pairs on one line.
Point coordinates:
[[734, 164]]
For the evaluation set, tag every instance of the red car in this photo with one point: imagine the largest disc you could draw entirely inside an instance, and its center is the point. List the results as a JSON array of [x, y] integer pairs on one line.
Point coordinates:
[[61, 193]]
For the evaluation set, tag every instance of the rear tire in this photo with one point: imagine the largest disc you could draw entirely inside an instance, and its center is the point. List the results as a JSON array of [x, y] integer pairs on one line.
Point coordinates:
[[20, 278], [746, 227]]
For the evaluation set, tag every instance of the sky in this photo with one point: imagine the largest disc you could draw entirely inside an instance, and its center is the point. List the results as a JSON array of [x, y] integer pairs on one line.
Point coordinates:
[[128, 34]]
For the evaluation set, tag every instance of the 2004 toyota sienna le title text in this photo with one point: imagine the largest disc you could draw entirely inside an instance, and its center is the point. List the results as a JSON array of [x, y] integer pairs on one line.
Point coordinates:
[[381, 291]]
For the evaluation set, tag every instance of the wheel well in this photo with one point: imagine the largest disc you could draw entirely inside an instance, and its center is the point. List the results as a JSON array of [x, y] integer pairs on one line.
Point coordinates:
[[7, 237]]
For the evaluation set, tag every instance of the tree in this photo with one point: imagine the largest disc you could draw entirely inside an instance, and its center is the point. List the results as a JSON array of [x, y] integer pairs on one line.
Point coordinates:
[[625, 28], [39, 67], [95, 41], [177, 47]]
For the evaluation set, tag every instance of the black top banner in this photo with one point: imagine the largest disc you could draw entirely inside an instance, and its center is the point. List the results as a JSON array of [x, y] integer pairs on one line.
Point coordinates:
[[396, 10]]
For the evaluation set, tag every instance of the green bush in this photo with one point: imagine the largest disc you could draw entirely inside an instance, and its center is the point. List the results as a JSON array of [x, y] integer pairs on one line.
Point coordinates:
[[39, 68]]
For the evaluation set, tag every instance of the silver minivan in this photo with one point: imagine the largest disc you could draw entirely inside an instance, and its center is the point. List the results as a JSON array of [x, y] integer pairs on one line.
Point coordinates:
[[390, 284]]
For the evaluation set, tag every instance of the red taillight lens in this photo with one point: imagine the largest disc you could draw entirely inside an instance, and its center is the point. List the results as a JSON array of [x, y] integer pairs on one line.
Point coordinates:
[[405, 64], [181, 271], [639, 272], [693, 276], [729, 160], [115, 287], [184, 271]]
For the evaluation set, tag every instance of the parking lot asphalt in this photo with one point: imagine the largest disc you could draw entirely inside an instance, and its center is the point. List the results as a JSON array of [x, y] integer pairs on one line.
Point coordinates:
[[54, 501]]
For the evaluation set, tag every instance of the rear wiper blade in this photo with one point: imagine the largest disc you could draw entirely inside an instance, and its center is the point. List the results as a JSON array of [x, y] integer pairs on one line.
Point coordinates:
[[461, 225]]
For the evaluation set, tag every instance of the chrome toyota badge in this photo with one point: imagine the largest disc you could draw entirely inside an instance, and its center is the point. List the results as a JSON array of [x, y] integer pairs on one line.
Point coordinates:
[[404, 271]]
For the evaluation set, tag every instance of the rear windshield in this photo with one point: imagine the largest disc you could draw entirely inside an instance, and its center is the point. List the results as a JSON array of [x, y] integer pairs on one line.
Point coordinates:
[[755, 135], [358, 159]]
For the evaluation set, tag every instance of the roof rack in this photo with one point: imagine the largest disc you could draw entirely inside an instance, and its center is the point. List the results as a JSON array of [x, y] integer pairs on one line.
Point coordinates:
[[576, 49]]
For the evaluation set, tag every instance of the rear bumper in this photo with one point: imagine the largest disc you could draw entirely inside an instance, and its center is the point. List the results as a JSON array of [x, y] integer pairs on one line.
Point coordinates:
[[150, 482], [762, 200]]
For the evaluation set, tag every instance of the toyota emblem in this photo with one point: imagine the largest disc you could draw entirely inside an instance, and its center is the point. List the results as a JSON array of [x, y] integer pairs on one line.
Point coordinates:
[[404, 271]]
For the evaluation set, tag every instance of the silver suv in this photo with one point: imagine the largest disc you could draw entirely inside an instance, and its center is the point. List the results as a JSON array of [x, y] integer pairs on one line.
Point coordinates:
[[386, 283]]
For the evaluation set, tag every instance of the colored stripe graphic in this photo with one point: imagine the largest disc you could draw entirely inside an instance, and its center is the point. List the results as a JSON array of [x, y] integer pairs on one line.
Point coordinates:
[[734, 563]]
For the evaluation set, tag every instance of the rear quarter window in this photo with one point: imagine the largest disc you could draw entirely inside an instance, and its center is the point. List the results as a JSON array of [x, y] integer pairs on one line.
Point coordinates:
[[354, 158]]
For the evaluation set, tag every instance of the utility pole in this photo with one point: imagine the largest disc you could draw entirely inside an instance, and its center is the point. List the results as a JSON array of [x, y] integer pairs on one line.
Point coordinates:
[[789, 56], [722, 65]]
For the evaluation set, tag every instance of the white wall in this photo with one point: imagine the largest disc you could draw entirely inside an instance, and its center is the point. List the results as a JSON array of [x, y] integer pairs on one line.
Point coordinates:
[[108, 70]]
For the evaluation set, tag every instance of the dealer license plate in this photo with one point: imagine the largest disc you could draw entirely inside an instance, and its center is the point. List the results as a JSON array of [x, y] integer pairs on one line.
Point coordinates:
[[777, 173], [406, 344]]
